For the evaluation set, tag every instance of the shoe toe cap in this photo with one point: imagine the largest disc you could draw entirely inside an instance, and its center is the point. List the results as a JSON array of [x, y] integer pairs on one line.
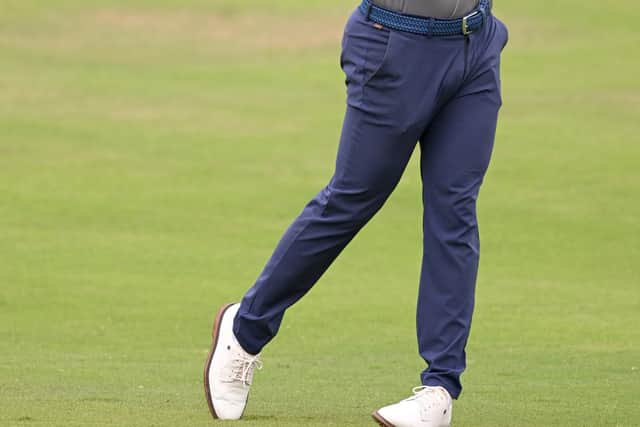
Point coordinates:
[[228, 410], [399, 415]]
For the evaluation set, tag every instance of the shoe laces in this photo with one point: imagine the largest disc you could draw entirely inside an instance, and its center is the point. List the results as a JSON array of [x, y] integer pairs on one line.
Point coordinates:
[[421, 391], [428, 394], [429, 399], [242, 368]]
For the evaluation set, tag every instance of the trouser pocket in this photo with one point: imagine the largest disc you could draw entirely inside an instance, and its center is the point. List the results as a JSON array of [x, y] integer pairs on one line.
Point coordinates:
[[365, 51]]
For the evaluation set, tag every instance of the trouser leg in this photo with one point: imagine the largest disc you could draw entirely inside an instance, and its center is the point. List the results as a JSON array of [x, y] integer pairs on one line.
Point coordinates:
[[455, 153], [370, 161]]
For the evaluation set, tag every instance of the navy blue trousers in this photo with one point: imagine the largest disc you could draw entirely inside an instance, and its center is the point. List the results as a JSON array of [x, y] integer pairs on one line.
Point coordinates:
[[402, 88]]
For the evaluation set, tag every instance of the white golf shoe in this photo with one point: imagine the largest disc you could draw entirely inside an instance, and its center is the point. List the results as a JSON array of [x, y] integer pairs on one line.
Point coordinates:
[[228, 371], [428, 407]]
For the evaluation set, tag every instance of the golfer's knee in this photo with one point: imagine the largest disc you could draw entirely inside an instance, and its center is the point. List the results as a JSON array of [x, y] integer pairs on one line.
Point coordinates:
[[351, 206]]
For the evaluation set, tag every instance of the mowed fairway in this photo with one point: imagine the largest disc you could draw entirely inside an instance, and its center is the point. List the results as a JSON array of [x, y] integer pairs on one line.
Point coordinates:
[[153, 151]]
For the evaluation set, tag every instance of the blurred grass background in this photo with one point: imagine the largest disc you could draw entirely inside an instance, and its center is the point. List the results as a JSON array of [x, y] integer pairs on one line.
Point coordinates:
[[152, 153]]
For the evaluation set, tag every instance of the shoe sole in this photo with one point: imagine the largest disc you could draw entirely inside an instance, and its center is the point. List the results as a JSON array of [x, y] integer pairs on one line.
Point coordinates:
[[380, 420], [207, 365]]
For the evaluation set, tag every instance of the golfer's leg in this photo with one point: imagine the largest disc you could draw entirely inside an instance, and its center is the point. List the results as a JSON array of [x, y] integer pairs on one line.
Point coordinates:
[[371, 159], [455, 155]]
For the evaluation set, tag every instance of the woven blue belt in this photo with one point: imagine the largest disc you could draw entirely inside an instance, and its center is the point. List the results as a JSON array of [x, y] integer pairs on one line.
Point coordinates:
[[428, 26]]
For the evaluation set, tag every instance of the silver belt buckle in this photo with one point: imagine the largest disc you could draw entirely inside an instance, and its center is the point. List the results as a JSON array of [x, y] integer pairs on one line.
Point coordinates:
[[465, 23]]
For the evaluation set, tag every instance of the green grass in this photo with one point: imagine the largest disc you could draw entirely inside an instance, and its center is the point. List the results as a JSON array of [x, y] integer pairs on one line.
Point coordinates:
[[152, 152]]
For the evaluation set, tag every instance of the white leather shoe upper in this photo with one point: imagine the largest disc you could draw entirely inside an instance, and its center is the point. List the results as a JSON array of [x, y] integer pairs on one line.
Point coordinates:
[[428, 407], [231, 371]]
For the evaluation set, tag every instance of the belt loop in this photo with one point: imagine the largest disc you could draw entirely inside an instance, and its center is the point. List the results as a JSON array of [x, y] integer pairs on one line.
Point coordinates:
[[368, 10], [483, 12], [430, 27]]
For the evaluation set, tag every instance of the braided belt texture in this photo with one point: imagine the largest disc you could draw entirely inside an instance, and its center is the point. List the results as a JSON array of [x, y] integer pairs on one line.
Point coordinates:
[[428, 26]]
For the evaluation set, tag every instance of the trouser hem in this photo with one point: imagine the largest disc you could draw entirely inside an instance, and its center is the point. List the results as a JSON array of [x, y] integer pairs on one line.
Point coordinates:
[[244, 343], [453, 389]]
